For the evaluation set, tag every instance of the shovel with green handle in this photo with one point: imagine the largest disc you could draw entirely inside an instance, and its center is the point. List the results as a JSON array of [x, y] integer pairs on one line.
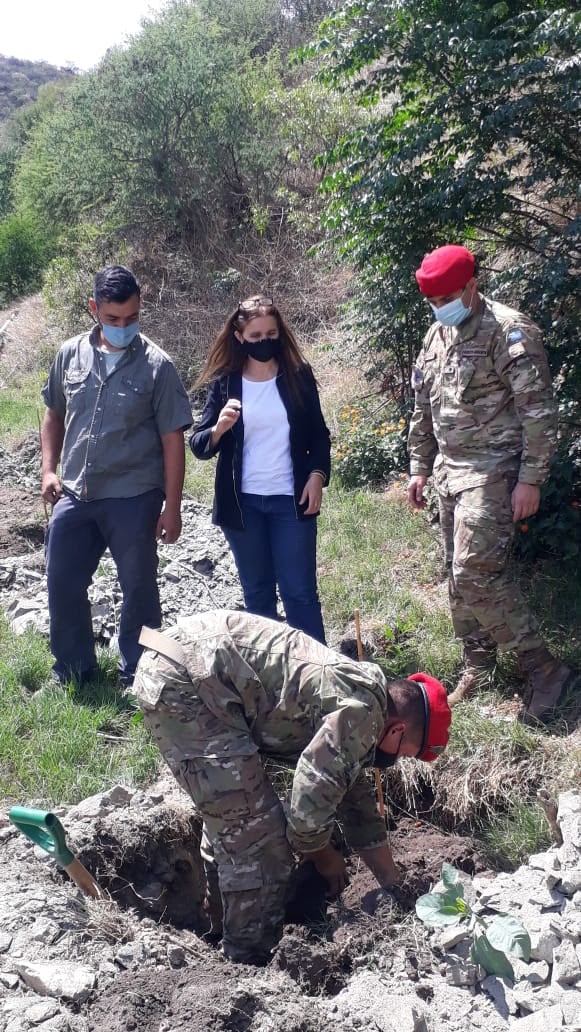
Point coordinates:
[[46, 831]]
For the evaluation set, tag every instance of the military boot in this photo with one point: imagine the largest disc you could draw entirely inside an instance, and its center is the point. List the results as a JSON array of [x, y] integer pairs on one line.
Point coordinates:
[[479, 659], [546, 679]]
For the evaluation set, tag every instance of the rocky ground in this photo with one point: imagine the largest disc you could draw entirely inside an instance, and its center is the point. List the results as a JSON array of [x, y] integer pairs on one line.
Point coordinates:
[[139, 960]]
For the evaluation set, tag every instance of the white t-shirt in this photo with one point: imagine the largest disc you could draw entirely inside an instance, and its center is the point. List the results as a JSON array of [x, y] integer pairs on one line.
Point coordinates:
[[266, 459], [111, 357]]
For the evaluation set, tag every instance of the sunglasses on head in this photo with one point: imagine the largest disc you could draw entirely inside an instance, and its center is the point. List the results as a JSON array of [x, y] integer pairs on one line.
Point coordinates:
[[254, 302]]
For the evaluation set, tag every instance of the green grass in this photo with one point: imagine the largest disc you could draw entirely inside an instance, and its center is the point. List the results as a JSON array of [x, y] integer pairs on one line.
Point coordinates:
[[21, 407], [512, 837], [200, 478], [374, 554], [59, 744]]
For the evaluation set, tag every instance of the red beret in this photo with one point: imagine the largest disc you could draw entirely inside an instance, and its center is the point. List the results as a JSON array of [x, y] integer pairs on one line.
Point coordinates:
[[445, 270], [437, 716]]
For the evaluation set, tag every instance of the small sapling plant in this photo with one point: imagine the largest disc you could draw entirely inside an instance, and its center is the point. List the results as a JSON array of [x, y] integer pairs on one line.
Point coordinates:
[[493, 939]]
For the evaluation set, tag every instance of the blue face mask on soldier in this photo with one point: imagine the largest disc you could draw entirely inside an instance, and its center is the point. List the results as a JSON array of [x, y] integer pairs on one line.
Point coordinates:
[[454, 313], [119, 336]]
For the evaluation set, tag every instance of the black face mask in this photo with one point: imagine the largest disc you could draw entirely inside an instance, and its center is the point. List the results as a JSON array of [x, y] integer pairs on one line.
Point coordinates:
[[383, 760], [262, 350]]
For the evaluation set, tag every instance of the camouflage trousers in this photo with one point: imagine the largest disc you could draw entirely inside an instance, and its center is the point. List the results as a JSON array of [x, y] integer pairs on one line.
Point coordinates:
[[486, 604], [244, 823]]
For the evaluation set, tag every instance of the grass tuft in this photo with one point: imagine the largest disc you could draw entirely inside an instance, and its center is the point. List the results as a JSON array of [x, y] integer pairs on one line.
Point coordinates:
[[59, 744]]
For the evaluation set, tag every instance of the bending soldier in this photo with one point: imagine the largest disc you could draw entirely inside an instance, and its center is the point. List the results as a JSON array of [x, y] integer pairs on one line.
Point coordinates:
[[221, 690]]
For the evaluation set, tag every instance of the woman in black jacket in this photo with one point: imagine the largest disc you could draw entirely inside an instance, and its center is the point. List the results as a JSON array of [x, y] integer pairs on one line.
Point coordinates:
[[263, 419]]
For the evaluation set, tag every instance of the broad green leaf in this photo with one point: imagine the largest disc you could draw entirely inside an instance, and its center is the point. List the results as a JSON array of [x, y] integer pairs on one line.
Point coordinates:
[[492, 960], [507, 934], [451, 878], [435, 908]]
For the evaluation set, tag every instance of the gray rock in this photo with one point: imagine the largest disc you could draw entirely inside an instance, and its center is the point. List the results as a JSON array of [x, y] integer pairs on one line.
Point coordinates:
[[44, 931], [462, 972], [451, 936], [40, 1012], [570, 881], [530, 998], [5, 942], [544, 939], [61, 979], [547, 1020], [132, 955], [566, 969], [176, 956], [501, 992], [537, 972], [571, 1006], [8, 979]]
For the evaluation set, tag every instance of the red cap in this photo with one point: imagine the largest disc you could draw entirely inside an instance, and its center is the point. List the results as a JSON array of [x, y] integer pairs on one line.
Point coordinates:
[[445, 270], [438, 716]]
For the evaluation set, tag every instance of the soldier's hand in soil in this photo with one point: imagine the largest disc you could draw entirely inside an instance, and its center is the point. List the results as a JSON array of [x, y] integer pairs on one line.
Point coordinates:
[[525, 501], [51, 488], [331, 865], [416, 492]]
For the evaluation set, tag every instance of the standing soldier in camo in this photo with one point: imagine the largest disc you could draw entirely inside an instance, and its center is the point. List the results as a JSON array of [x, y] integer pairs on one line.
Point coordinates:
[[485, 425]]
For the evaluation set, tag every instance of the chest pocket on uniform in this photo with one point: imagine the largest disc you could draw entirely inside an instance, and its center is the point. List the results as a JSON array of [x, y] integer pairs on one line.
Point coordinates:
[[76, 382], [431, 381], [132, 395], [466, 371]]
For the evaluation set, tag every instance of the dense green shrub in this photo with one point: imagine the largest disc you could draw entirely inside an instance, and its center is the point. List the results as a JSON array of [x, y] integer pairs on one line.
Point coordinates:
[[370, 445], [22, 256], [556, 527]]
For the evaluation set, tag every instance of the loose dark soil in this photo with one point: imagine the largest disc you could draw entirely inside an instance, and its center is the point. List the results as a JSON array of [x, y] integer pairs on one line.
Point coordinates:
[[317, 951]]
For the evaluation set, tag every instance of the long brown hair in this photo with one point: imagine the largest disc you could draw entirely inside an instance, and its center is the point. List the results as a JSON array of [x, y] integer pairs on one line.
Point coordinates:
[[227, 356]]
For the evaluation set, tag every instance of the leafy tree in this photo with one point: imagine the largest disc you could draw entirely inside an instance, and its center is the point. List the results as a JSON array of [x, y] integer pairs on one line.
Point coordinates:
[[199, 136], [22, 257], [472, 137]]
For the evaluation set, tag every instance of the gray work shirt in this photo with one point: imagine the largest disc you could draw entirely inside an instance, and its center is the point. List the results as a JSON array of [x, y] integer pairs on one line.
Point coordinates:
[[114, 421]]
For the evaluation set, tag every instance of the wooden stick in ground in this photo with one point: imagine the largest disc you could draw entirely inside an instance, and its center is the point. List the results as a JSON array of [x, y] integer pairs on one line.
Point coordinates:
[[549, 805], [358, 635], [378, 785]]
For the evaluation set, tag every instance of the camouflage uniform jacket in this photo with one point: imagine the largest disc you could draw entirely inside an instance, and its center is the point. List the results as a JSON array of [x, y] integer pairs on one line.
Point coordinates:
[[298, 702], [484, 402]]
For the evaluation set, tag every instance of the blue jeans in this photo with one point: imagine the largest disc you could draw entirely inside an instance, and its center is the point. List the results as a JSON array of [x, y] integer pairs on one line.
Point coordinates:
[[277, 548], [78, 534]]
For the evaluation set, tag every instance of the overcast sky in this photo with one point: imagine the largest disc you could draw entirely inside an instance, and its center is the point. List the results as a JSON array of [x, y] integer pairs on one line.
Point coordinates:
[[69, 32]]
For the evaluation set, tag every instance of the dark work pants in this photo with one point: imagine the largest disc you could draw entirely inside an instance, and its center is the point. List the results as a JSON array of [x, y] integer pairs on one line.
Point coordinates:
[[78, 534]]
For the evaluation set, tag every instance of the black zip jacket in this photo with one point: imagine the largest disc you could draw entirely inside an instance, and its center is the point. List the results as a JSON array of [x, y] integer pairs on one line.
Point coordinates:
[[310, 442]]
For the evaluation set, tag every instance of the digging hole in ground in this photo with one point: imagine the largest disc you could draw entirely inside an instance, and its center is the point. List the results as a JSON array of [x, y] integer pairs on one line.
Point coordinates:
[[149, 860]]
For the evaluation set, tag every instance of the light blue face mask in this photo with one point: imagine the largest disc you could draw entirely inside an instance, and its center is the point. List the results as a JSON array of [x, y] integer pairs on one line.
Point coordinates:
[[453, 313], [120, 336]]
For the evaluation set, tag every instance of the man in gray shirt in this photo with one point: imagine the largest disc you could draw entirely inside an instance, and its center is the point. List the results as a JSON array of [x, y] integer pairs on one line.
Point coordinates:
[[116, 412]]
